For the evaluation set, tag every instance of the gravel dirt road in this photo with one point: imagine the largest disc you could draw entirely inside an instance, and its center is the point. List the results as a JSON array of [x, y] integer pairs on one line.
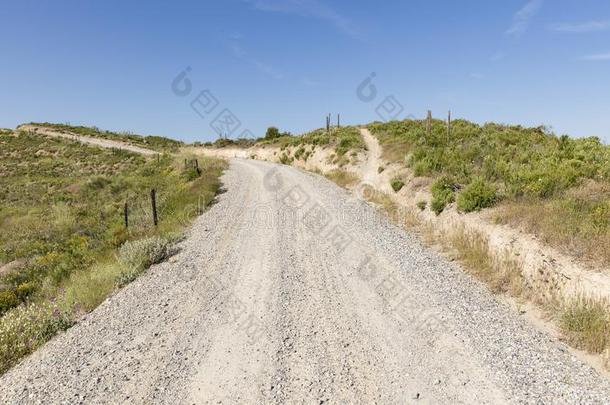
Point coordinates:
[[290, 290], [103, 143]]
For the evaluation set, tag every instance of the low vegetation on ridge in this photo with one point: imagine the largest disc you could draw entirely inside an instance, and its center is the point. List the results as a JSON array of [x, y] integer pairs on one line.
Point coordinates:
[[342, 139], [154, 142]]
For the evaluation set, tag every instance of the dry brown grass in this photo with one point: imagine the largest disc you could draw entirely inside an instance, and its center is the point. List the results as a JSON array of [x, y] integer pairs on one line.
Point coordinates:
[[502, 274], [577, 223], [399, 215], [342, 177], [586, 324], [395, 150]]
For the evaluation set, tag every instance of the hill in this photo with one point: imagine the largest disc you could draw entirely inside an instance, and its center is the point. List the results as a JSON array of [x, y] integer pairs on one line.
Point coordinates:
[[156, 143], [64, 244]]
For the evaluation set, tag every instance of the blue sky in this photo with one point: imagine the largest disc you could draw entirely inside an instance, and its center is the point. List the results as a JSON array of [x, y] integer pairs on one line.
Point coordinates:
[[290, 62]]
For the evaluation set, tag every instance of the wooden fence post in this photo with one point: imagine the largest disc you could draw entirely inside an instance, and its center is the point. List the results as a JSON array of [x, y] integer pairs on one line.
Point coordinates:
[[197, 166], [126, 214], [449, 126], [338, 120], [429, 122], [153, 199]]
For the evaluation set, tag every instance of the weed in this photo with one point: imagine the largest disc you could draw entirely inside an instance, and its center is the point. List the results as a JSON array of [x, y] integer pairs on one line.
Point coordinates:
[[25, 328], [586, 323], [136, 256], [397, 184], [476, 196]]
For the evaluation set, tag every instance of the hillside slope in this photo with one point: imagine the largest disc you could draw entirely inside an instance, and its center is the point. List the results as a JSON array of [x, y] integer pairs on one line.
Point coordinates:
[[64, 244]]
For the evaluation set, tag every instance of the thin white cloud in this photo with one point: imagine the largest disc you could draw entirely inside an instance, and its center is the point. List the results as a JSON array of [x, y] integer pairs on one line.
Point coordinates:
[[597, 56], [306, 8], [589, 26], [262, 67], [521, 19], [498, 56], [307, 82]]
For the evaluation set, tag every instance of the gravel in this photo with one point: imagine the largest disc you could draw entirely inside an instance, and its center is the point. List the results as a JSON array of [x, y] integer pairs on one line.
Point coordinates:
[[289, 290]]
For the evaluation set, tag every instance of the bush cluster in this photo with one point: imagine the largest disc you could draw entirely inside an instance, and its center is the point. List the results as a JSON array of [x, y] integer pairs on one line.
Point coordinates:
[[494, 162], [443, 193], [477, 195]]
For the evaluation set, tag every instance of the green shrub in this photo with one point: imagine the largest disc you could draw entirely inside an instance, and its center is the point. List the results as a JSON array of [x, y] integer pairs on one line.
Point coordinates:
[[299, 153], [476, 196], [136, 256], [397, 184], [344, 145], [442, 193], [27, 327], [24, 290], [272, 133], [421, 205], [285, 159], [8, 300], [141, 254], [380, 169]]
